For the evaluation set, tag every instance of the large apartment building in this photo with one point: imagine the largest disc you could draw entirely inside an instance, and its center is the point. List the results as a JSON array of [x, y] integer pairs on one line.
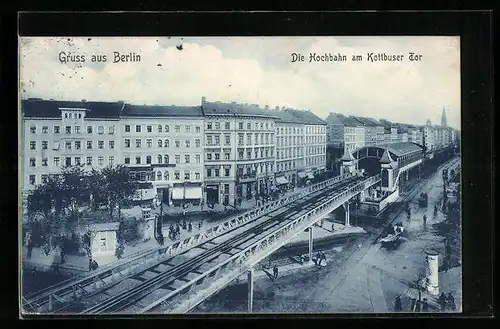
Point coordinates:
[[216, 152]]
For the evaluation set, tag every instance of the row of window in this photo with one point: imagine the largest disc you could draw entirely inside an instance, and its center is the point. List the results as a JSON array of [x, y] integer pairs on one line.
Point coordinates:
[[289, 141], [289, 153], [251, 170], [315, 150], [68, 145], [73, 129], [162, 143], [315, 139], [315, 129], [314, 160], [164, 128], [241, 125], [265, 139], [159, 176], [165, 159], [70, 161]]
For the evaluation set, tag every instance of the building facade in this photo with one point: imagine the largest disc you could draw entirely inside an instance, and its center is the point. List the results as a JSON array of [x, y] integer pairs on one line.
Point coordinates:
[[289, 148], [58, 133]]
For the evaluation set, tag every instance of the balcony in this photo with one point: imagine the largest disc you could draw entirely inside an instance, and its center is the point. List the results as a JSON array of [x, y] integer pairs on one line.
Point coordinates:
[[246, 178]]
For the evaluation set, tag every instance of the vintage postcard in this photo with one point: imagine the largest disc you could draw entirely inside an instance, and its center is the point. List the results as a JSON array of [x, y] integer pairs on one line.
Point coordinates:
[[240, 174]]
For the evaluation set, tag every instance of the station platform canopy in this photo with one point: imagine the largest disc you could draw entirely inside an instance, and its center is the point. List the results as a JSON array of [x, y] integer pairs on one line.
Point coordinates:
[[401, 149]]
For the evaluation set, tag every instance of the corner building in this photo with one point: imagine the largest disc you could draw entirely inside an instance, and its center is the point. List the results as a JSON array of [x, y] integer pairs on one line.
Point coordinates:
[[239, 151]]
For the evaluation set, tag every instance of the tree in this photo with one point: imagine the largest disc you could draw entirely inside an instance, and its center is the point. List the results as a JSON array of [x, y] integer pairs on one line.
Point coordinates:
[[76, 191], [119, 186], [96, 184]]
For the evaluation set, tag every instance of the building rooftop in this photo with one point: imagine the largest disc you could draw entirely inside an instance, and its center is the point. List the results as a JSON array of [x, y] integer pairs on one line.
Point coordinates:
[[340, 119], [386, 157], [234, 109], [287, 117], [130, 110], [370, 122], [306, 117], [40, 108]]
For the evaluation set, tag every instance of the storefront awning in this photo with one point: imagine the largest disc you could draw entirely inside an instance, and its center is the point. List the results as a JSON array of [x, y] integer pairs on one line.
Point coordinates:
[[310, 175], [177, 193], [302, 174], [193, 193], [280, 180]]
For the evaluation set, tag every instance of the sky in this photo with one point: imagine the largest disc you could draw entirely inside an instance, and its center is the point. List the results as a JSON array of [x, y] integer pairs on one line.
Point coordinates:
[[254, 70]]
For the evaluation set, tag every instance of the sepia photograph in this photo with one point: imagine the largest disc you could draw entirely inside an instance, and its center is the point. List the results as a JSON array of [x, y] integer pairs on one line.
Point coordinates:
[[195, 175]]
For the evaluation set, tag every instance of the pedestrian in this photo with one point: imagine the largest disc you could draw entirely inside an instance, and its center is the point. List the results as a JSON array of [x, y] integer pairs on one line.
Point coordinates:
[[184, 225], [442, 302], [275, 272], [451, 302], [413, 304], [417, 306], [425, 306], [398, 306], [318, 257], [30, 247], [199, 224], [333, 227], [323, 256], [90, 264], [190, 227], [425, 219]]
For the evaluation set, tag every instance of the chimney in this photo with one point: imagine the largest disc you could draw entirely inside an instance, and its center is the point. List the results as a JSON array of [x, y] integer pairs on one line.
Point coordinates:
[[277, 108], [203, 99], [267, 107]]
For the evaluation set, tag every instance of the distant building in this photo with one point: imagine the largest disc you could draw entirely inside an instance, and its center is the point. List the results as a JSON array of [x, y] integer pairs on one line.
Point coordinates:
[[346, 130], [443, 118]]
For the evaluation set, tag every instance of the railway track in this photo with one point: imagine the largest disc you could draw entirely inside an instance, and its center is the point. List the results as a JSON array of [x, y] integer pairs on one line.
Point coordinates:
[[89, 294]]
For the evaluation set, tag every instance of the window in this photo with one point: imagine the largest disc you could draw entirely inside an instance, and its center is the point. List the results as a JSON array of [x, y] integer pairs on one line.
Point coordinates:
[[217, 156], [267, 125], [187, 175], [111, 130], [57, 129], [209, 140], [197, 175], [177, 158], [187, 129], [198, 129], [45, 129], [197, 158], [148, 159], [167, 143], [149, 142], [89, 129], [68, 129], [68, 161], [111, 145], [209, 125], [166, 158], [166, 175], [227, 139], [167, 128], [68, 146], [240, 155], [249, 126], [149, 129], [227, 125], [177, 175], [127, 160], [240, 125], [56, 161], [216, 172], [138, 160], [217, 140], [33, 129], [137, 128], [78, 145], [177, 129], [209, 156], [32, 179], [188, 143], [197, 142], [78, 161], [187, 158], [240, 139], [217, 125], [249, 155], [77, 129], [89, 161], [158, 175], [159, 158], [177, 143], [160, 129], [32, 145], [100, 144], [226, 172], [89, 145], [44, 179], [226, 188], [127, 128], [100, 161], [44, 162], [209, 172], [138, 143], [261, 125]]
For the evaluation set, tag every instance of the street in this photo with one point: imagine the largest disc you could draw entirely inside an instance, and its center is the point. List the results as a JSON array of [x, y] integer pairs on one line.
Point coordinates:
[[361, 277]]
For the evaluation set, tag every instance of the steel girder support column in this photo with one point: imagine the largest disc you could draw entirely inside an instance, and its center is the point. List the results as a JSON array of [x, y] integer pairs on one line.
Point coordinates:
[[250, 275], [347, 214], [310, 229]]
